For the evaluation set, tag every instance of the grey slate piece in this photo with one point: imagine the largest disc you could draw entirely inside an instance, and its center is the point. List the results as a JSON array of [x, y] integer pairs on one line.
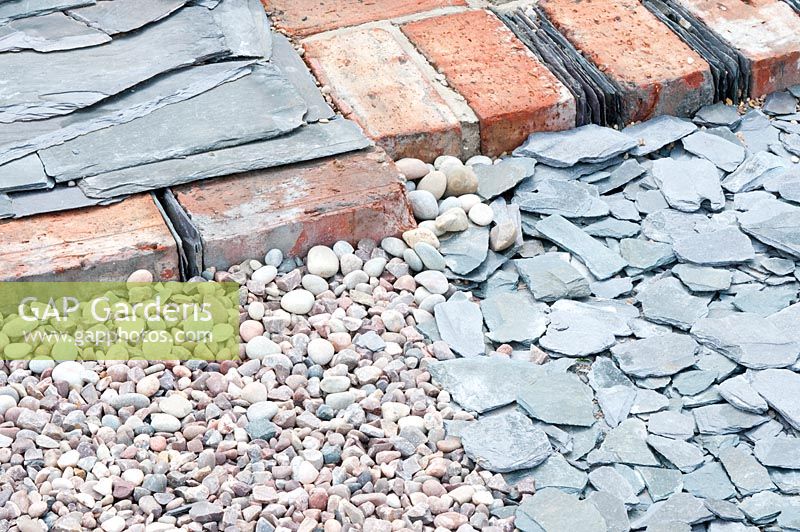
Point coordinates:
[[560, 399], [23, 174], [611, 288], [45, 85], [605, 374], [649, 401], [616, 403], [601, 261], [609, 480], [791, 141], [787, 320], [702, 279], [717, 114], [309, 142], [671, 425], [657, 356], [667, 225], [661, 482], [49, 33], [612, 509], [762, 507], [464, 252], [18, 9], [648, 201], [628, 444], [557, 473], [723, 153], [571, 199], [781, 389], [576, 341], [748, 339], [513, 317], [23, 138], [689, 183], [754, 172], [787, 480], [779, 103], [725, 419], [693, 382], [257, 107], [643, 255], [709, 482], [460, 324], [550, 278], [551, 510], [667, 302], [61, 198], [495, 179], [680, 507], [717, 248], [482, 383], [586, 144], [766, 301], [654, 134], [685, 456], [774, 223], [783, 452], [505, 442], [620, 176], [291, 65], [122, 16], [6, 210], [744, 470], [621, 208]]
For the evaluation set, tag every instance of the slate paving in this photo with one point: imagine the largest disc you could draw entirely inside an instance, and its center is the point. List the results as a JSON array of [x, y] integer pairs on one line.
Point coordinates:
[[646, 323]]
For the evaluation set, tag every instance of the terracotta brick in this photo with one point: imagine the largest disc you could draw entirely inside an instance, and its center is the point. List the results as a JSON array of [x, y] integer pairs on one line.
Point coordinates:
[[767, 32], [306, 17], [349, 197], [657, 72], [92, 244], [375, 81], [511, 92]]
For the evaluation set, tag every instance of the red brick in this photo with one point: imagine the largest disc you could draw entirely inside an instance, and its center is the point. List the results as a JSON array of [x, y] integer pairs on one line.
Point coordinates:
[[293, 208], [92, 244], [375, 82], [767, 32], [658, 73], [511, 92], [306, 17]]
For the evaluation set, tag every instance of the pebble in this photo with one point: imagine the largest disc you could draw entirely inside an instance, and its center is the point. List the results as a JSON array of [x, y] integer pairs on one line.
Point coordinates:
[[412, 169], [413, 237], [298, 301], [435, 183], [141, 276], [453, 220], [261, 347], [460, 180], [265, 274], [322, 261], [423, 204], [481, 214], [321, 351]]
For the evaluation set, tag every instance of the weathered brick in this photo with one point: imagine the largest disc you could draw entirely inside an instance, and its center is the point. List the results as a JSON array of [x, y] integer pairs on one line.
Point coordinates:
[[292, 208], [377, 83], [767, 32], [306, 17], [92, 244], [657, 72], [511, 92]]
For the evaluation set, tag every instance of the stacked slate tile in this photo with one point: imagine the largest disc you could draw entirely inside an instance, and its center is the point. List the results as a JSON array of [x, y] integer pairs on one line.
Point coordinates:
[[598, 100], [632, 360], [104, 99]]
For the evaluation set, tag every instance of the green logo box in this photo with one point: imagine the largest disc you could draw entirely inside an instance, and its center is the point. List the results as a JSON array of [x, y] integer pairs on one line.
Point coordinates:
[[119, 321]]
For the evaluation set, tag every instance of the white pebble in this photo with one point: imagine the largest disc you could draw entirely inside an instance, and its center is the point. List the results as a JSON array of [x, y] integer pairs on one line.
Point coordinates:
[[298, 301], [265, 274], [261, 347], [481, 214], [322, 261], [320, 351]]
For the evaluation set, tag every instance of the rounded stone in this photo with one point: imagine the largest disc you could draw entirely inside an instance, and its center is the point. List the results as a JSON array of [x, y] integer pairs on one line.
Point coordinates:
[[265, 274], [262, 410], [274, 257], [261, 347], [393, 246], [342, 248], [148, 386], [70, 372], [254, 392], [461, 180], [175, 405], [481, 214], [502, 236], [375, 267], [350, 263], [430, 225], [141, 276], [340, 401], [164, 423], [393, 320], [413, 260], [321, 351], [113, 524], [415, 236], [412, 169], [449, 203], [453, 221], [305, 473], [314, 284], [39, 365], [435, 183], [249, 329], [256, 310], [430, 256], [433, 281], [478, 159], [322, 261], [335, 384], [423, 204], [6, 402], [468, 201], [298, 301], [444, 161]]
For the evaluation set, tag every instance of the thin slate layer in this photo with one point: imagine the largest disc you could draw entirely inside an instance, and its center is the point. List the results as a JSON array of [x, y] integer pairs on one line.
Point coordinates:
[[121, 16], [18, 9], [49, 33], [23, 174], [292, 66]]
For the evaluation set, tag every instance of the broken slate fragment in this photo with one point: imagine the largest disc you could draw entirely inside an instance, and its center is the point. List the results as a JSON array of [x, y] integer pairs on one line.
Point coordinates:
[[779, 103], [609, 480], [513, 317], [13, 10], [122, 16], [551, 510], [748, 339], [693, 382], [671, 425], [620, 176], [654, 134], [702, 279], [744, 470], [657, 356], [725, 419], [661, 483], [576, 341], [667, 302], [718, 248], [495, 179], [683, 455], [611, 288], [765, 301], [774, 223], [560, 399], [570, 199], [754, 172], [585, 144], [781, 389], [723, 153], [613, 228], [551, 278], [628, 443], [717, 114], [689, 183], [23, 174], [49, 33], [709, 482], [601, 261], [465, 251], [505, 442], [680, 507], [556, 472], [667, 225], [460, 324], [643, 255], [612, 509], [616, 403], [781, 451]]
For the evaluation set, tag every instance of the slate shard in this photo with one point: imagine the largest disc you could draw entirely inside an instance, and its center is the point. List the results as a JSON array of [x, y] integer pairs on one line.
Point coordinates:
[[15, 9], [748, 339], [585, 144], [680, 507], [513, 317], [49, 33], [717, 248], [744, 470], [779, 103], [627, 443], [657, 356], [643, 255], [783, 452], [725, 419], [60, 198], [551, 510], [570, 199], [505, 442], [551, 278], [718, 114], [667, 302], [466, 251], [496, 179], [656, 133], [601, 261], [560, 399], [122, 16], [780, 388], [555, 472], [720, 151], [460, 324], [774, 223], [689, 183], [23, 174], [754, 172], [702, 279]]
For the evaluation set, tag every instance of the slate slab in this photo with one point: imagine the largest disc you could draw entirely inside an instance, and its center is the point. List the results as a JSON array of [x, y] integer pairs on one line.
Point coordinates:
[[49, 33], [779, 103], [609, 480], [551, 278], [689, 183], [702, 279], [717, 248], [723, 153], [619, 176], [23, 174], [57, 199], [667, 225], [657, 356], [643, 255], [557, 473], [585, 144], [652, 135], [671, 425], [551, 510], [505, 442], [496, 179], [122, 16], [717, 114], [570, 199], [783, 452], [709, 482], [464, 252], [481, 384], [13, 10], [513, 317], [612, 509], [628, 444], [291, 65], [667, 302], [560, 399], [754, 172], [683, 455], [601, 261], [661, 483], [781, 389], [747, 339], [774, 223], [460, 324], [616, 403], [725, 419], [680, 507], [744, 470]]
